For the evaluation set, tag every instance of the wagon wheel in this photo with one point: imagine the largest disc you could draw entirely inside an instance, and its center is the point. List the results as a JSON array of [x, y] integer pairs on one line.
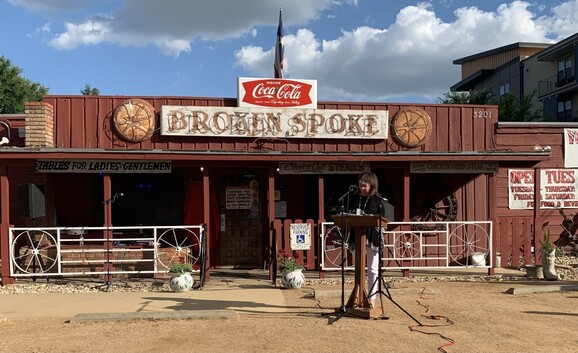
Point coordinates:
[[35, 251], [466, 241], [134, 120], [333, 242], [407, 245], [179, 245], [411, 127], [433, 203]]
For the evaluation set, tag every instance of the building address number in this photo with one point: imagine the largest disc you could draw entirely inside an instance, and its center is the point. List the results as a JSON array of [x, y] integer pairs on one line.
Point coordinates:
[[482, 114]]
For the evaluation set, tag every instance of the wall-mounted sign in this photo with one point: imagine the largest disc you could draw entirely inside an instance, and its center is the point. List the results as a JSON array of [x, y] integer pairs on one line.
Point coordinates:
[[558, 189], [269, 122], [300, 234], [101, 166], [276, 92], [571, 148], [323, 167], [453, 167], [238, 198], [280, 209]]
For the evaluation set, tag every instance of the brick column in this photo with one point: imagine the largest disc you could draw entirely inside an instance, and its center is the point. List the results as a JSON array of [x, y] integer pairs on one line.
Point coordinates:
[[39, 124]]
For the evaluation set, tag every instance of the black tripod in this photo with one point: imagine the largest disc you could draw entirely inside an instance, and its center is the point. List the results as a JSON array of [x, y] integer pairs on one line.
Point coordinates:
[[379, 280]]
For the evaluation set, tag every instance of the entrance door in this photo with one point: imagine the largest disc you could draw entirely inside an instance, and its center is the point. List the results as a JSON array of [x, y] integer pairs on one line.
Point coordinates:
[[241, 199]]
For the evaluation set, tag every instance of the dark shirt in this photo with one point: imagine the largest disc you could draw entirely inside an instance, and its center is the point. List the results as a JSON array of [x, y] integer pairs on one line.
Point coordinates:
[[369, 205]]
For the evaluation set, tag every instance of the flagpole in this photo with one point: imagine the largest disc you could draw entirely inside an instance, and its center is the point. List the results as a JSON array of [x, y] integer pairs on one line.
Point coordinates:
[[279, 48]]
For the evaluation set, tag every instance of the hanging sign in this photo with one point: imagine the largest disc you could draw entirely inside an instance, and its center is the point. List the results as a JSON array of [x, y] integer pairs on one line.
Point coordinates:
[[454, 167], [193, 121], [100, 166], [276, 92], [300, 234], [323, 167]]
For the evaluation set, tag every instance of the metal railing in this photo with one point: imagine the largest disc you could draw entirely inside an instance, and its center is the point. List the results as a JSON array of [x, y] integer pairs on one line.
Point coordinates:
[[88, 251], [416, 245]]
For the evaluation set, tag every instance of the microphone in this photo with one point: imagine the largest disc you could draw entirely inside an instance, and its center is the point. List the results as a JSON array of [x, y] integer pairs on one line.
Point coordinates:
[[352, 189], [114, 197], [380, 197]]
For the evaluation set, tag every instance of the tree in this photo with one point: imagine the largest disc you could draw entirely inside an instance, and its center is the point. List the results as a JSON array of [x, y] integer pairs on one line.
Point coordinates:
[[510, 108], [16, 90], [513, 109], [469, 97], [90, 91]]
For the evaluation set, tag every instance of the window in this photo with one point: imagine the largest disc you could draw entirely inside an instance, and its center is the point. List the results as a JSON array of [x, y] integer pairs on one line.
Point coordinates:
[[565, 71], [565, 110], [504, 89]]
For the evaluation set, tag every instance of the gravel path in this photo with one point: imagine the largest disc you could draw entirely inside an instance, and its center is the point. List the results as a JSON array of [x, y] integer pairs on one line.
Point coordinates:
[[567, 268]]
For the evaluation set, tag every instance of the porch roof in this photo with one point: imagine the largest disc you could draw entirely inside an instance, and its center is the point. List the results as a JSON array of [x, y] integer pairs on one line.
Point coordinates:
[[14, 154]]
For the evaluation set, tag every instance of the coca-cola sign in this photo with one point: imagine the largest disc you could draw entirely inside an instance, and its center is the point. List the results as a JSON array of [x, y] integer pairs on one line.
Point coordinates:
[[277, 92]]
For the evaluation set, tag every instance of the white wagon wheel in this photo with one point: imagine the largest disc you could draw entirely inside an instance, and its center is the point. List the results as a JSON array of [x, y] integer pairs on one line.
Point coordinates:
[[466, 242], [179, 245], [333, 240], [407, 245], [34, 251]]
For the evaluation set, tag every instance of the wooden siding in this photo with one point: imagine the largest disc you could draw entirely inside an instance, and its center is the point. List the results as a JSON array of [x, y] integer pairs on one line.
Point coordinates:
[[519, 231], [496, 60], [85, 122]]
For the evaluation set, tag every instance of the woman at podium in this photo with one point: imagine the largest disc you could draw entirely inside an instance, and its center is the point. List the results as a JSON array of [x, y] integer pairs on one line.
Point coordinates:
[[368, 201]]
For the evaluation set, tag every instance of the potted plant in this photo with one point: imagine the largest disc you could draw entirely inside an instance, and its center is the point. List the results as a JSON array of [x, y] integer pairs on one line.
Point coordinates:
[[292, 271], [181, 279], [548, 254]]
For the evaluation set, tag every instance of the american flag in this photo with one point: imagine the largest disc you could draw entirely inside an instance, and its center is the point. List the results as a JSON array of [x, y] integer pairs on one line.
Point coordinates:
[[279, 60]]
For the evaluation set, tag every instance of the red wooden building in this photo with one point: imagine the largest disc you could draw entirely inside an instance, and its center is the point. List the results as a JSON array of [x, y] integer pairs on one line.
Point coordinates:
[[140, 162]]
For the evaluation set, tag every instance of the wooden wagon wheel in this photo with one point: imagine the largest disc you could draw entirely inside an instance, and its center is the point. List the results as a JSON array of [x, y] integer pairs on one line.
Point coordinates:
[[411, 127], [433, 202], [134, 120]]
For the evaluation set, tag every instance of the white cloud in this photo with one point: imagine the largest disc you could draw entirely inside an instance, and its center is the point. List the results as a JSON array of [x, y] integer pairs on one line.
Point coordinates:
[[171, 23], [84, 34], [411, 56], [53, 5]]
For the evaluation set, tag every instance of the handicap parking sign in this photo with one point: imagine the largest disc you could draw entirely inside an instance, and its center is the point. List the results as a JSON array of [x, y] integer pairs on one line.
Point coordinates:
[[300, 236]]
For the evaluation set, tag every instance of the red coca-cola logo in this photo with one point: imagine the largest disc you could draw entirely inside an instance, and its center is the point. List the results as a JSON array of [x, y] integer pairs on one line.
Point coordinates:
[[277, 93]]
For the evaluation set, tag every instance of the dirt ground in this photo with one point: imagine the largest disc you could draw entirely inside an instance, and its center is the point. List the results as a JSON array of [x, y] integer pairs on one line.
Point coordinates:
[[456, 317]]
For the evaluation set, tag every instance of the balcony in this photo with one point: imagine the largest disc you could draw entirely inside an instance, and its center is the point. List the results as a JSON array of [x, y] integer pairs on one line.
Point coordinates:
[[552, 84]]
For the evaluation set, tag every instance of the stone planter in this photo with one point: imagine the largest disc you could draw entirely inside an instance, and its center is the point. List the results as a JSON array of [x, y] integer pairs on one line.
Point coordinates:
[[181, 282], [293, 279]]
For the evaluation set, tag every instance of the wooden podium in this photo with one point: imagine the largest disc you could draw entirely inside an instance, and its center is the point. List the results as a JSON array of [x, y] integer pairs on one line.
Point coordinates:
[[358, 303]]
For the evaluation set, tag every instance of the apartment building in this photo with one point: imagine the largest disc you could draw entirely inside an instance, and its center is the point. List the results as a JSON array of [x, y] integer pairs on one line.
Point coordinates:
[[547, 70]]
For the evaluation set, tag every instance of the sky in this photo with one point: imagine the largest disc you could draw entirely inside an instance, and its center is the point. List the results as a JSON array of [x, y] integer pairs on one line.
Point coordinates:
[[394, 51]]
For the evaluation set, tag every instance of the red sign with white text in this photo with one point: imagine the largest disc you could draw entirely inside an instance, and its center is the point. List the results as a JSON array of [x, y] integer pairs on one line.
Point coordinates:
[[277, 92]]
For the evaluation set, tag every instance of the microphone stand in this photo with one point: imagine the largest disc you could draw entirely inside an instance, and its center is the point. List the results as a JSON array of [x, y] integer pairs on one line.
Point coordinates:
[[343, 227], [379, 280], [107, 239]]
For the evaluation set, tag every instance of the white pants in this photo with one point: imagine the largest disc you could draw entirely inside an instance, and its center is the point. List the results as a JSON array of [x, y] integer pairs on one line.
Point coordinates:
[[372, 262], [372, 258]]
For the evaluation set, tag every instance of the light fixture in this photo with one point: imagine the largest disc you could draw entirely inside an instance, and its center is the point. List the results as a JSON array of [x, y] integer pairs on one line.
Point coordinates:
[[202, 169], [5, 139]]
